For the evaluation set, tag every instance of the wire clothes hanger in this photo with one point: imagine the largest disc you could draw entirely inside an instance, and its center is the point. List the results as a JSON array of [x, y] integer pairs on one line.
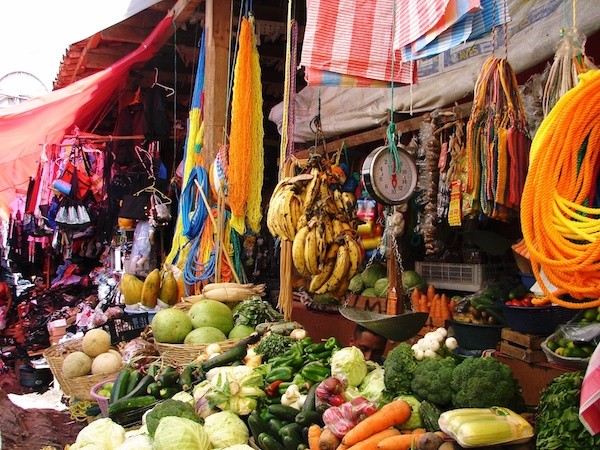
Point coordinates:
[[170, 90]]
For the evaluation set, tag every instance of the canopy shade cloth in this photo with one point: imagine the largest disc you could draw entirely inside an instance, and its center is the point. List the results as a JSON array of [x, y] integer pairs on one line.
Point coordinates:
[[26, 127]]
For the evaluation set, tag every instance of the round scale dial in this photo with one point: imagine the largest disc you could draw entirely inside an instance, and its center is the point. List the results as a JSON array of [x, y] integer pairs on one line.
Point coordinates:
[[384, 182]]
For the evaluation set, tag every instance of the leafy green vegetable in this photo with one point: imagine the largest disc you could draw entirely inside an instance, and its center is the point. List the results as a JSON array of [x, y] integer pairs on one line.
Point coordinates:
[[381, 287], [372, 387], [225, 429], [373, 273], [399, 367], [557, 420], [415, 420], [179, 433], [169, 408], [272, 345], [356, 285], [484, 382], [253, 311], [431, 380], [349, 362], [236, 390]]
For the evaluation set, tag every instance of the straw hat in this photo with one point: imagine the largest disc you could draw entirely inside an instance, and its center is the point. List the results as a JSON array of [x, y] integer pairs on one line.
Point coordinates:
[[395, 328]]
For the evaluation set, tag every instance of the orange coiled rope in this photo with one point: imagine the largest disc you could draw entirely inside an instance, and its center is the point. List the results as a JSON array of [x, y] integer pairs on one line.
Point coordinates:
[[559, 216]]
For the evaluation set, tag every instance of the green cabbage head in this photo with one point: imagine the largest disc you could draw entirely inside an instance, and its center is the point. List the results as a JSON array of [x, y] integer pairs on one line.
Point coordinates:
[[349, 362], [226, 429], [178, 433]]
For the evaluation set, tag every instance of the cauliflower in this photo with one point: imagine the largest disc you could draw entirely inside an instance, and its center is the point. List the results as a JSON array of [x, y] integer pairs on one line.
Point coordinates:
[[431, 380]]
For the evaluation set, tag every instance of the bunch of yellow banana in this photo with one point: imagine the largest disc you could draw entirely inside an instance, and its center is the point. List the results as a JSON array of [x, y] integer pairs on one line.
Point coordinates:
[[284, 209]]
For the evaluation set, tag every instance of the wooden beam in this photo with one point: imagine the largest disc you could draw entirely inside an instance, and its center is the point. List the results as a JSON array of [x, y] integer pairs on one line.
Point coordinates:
[[377, 134], [217, 39]]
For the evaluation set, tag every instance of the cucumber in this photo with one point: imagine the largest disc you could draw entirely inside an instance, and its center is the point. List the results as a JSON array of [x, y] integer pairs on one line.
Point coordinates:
[[119, 388], [128, 404], [286, 413], [275, 425], [169, 391], [306, 418], [185, 379], [134, 378], [291, 443], [153, 389], [141, 389], [235, 353], [257, 425], [268, 442], [153, 369], [168, 377], [93, 410], [310, 400]]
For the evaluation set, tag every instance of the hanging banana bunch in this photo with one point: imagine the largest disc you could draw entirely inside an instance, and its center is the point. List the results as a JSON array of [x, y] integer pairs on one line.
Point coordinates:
[[313, 212]]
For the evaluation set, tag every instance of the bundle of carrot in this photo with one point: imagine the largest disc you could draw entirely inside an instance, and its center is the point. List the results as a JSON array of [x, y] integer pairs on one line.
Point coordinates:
[[376, 432], [439, 306]]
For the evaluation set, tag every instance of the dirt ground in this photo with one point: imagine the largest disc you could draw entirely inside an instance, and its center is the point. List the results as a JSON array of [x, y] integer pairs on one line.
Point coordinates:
[[32, 429]]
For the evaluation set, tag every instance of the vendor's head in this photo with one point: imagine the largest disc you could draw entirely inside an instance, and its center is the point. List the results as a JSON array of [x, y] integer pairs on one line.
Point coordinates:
[[371, 344]]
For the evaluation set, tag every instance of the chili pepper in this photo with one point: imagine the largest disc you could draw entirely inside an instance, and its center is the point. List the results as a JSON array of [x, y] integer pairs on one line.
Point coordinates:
[[332, 343], [315, 348], [273, 388], [315, 371], [283, 373], [319, 356]]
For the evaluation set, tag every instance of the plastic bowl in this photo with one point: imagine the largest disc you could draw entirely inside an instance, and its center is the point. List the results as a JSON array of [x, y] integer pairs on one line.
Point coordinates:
[[474, 336], [541, 320], [102, 401]]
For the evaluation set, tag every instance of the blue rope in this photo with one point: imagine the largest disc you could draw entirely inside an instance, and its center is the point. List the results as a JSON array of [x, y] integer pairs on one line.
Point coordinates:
[[193, 266], [193, 223]]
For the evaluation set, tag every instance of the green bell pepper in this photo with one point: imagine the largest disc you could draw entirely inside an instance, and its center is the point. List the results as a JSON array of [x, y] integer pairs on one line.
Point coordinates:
[[315, 371]]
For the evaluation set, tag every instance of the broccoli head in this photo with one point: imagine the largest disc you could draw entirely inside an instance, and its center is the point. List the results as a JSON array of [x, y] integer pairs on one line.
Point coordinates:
[[167, 408], [431, 380], [399, 366], [482, 383], [273, 344]]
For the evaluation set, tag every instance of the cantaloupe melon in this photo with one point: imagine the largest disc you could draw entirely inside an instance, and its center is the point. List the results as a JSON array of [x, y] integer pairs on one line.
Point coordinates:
[[95, 341], [106, 363], [76, 364]]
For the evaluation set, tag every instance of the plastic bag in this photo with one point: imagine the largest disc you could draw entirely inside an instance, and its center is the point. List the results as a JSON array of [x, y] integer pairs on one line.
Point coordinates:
[[341, 419]]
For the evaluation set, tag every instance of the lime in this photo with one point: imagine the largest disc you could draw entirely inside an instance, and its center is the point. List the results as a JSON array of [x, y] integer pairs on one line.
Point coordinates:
[[560, 351], [590, 314], [577, 352], [570, 344], [563, 341], [552, 345]]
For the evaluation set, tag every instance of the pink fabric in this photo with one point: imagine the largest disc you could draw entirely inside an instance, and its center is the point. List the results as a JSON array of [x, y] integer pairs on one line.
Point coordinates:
[[354, 38], [25, 127], [414, 18]]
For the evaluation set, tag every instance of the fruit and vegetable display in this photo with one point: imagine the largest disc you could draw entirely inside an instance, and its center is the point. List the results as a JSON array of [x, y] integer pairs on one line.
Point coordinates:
[[316, 211], [285, 390]]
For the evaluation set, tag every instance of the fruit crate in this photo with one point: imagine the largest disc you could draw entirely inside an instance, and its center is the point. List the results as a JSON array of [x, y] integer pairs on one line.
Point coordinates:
[[459, 277], [127, 327]]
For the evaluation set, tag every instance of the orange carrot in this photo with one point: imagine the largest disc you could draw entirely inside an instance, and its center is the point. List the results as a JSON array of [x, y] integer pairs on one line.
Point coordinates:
[[414, 431], [371, 442], [437, 300], [430, 292], [399, 442], [445, 313], [314, 433], [424, 307], [415, 297], [394, 413], [342, 447], [451, 306]]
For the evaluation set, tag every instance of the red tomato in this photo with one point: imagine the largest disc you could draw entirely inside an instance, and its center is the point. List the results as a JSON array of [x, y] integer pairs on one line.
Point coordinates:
[[526, 301]]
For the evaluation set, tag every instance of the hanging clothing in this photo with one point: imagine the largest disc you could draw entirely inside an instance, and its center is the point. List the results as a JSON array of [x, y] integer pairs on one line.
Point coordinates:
[[155, 110]]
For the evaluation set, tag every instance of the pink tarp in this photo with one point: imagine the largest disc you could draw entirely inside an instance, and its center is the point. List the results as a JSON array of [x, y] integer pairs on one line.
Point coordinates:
[[24, 128]]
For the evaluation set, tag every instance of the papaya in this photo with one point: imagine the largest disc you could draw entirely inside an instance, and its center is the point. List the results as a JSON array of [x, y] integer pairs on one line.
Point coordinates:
[[131, 288], [168, 288], [150, 289]]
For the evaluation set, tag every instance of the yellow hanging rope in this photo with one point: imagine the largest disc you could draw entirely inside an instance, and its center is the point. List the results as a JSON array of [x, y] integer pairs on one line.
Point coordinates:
[[245, 148], [253, 208], [560, 227]]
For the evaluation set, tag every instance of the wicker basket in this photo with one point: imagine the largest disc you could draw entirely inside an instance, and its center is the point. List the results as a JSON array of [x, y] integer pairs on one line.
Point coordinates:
[[182, 354], [79, 387]]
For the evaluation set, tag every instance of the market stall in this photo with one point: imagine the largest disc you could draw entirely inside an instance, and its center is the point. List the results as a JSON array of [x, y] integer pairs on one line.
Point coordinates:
[[435, 277]]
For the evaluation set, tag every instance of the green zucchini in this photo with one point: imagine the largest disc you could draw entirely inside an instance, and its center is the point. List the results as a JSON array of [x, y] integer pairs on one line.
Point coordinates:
[[275, 424], [306, 418], [167, 377], [293, 430], [93, 410], [283, 412], [310, 400], [235, 353], [185, 379], [153, 369], [153, 389], [169, 391], [291, 442], [134, 378], [119, 388], [257, 425], [128, 404], [141, 388], [268, 442]]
